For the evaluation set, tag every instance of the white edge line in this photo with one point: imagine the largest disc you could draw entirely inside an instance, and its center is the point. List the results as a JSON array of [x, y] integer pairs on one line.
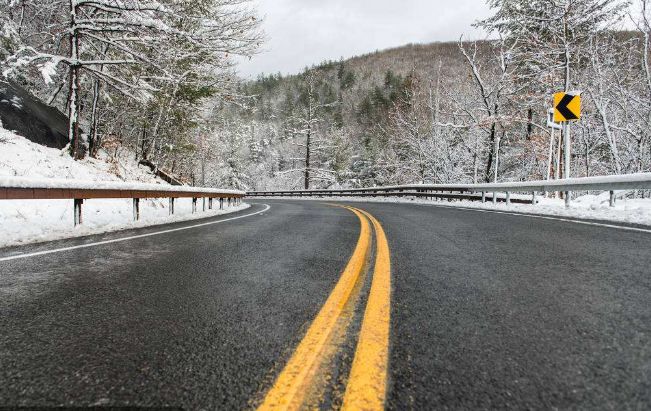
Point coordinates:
[[566, 220], [118, 240]]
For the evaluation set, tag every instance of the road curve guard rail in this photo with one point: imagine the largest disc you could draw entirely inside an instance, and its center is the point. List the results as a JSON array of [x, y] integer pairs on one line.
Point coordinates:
[[483, 192], [18, 188]]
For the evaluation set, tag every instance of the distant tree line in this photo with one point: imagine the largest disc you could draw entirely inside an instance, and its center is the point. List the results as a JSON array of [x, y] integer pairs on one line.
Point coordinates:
[[469, 111]]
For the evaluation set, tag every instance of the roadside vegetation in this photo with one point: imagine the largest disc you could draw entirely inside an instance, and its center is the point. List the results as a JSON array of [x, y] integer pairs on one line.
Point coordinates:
[[158, 80]]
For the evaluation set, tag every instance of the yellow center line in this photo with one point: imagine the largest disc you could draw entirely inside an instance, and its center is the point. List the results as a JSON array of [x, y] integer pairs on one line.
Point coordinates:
[[296, 379], [366, 388]]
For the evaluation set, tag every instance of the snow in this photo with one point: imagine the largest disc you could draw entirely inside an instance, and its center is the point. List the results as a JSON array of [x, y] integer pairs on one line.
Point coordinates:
[[23, 163], [17, 103], [48, 70], [20, 157], [30, 221]]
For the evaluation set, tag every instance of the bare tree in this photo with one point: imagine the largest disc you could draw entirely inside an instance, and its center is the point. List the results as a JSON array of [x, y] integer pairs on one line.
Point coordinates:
[[306, 120], [129, 45], [492, 90]]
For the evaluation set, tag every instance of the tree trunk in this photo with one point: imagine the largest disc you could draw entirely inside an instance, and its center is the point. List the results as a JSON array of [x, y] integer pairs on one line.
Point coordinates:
[[144, 147], [529, 123], [587, 159], [475, 162], [612, 143], [307, 157], [74, 134], [497, 158], [491, 153], [93, 139]]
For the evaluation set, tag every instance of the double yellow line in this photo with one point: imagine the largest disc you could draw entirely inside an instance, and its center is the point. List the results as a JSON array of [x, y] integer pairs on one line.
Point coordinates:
[[366, 386]]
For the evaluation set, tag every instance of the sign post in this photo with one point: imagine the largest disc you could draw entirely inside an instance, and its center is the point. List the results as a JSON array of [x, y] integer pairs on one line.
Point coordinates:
[[552, 138], [567, 159], [567, 108]]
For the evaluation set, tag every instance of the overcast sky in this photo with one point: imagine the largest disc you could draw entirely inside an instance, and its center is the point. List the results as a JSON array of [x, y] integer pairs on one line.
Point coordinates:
[[303, 32]]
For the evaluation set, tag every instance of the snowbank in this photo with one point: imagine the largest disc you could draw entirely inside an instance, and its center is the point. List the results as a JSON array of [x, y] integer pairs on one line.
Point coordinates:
[[19, 157], [28, 221]]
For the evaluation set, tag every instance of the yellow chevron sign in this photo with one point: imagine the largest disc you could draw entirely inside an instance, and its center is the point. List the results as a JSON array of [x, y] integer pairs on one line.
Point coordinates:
[[567, 107]]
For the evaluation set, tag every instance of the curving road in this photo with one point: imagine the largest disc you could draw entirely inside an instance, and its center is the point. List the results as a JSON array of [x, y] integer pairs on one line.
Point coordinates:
[[487, 310]]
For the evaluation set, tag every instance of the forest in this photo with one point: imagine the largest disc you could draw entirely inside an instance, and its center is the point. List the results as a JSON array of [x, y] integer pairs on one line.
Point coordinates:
[[158, 79]]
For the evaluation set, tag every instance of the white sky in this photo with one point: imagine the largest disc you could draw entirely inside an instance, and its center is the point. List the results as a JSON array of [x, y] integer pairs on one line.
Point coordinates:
[[301, 33]]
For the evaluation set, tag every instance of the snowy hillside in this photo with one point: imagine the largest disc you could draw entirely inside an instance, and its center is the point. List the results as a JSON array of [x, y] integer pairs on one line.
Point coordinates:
[[26, 221], [20, 157]]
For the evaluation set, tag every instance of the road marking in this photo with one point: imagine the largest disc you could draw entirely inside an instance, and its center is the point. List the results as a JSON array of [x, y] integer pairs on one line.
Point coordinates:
[[522, 214], [289, 392], [366, 388], [118, 240], [565, 220]]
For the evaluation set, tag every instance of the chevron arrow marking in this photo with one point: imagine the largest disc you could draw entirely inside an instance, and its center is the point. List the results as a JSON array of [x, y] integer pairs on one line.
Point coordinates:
[[567, 107]]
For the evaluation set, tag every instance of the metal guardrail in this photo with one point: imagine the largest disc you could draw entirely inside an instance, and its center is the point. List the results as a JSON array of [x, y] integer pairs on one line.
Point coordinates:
[[15, 188], [483, 192]]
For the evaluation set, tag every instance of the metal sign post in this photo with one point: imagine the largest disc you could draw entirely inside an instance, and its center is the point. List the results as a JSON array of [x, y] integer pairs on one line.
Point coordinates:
[[566, 160], [567, 108], [552, 140]]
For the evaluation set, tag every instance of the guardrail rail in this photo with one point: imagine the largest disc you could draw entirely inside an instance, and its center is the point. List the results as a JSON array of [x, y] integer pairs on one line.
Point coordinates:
[[495, 192], [18, 188]]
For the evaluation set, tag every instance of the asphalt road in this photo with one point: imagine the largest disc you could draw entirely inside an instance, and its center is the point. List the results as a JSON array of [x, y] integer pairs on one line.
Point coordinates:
[[487, 311]]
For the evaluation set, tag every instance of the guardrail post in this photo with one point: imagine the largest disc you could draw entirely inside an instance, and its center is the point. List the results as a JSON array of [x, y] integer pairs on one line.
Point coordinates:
[[568, 198], [228, 202], [508, 198], [483, 196], [194, 205], [534, 198], [136, 209], [494, 198], [203, 199], [210, 203], [221, 203], [612, 199], [171, 205], [77, 211]]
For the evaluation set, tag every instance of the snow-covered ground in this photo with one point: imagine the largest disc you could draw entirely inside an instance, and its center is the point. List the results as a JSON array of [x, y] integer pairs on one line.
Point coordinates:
[[20, 157], [590, 207], [28, 221]]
